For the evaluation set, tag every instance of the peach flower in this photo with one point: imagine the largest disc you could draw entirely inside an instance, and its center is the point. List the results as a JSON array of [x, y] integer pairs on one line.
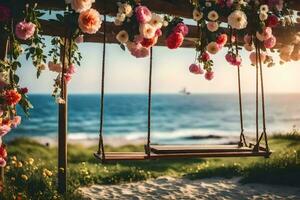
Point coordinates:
[[81, 5], [89, 21]]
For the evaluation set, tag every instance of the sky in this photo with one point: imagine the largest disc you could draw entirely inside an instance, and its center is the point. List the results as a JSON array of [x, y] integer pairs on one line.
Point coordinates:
[[126, 74]]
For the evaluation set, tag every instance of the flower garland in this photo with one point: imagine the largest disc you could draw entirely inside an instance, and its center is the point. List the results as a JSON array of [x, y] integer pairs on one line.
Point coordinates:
[[16, 27], [256, 32], [140, 28]]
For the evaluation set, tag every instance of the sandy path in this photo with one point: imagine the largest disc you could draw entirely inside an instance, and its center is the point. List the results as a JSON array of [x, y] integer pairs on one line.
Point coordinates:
[[171, 188]]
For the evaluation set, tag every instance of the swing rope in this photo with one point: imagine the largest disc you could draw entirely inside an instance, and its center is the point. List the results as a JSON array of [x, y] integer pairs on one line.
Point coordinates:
[[101, 145], [149, 103], [242, 141]]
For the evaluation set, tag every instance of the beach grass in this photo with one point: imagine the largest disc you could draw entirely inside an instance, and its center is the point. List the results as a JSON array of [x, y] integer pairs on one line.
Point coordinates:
[[31, 171]]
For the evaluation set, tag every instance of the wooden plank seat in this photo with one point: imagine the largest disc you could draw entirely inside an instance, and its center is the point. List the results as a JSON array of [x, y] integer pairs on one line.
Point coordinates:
[[206, 153], [171, 149]]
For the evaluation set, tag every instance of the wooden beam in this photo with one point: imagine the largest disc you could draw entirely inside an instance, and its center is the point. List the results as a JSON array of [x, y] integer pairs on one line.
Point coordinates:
[[181, 8], [51, 28]]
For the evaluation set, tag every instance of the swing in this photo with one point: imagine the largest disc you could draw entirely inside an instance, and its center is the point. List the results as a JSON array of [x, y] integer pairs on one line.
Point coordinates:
[[242, 149]]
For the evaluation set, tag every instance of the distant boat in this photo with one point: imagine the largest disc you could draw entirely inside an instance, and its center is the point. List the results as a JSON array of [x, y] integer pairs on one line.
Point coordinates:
[[184, 91]]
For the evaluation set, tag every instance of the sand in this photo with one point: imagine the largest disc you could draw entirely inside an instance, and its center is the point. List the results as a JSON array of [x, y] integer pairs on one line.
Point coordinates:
[[177, 188]]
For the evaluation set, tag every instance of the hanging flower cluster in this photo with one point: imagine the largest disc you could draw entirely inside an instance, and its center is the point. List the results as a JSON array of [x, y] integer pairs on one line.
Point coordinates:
[[140, 28], [176, 30], [16, 27]]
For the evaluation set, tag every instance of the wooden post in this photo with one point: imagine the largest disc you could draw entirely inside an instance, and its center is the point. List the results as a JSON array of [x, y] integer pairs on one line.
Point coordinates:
[[3, 54], [63, 127]]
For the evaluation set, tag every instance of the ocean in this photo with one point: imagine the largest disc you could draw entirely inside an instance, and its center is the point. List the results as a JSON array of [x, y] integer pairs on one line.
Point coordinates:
[[196, 118]]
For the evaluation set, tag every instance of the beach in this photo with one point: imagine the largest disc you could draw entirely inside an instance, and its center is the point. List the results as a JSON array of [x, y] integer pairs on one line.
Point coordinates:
[[179, 188]]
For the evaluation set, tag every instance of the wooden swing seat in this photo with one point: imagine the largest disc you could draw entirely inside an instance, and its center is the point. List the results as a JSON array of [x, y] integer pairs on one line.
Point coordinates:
[[191, 151]]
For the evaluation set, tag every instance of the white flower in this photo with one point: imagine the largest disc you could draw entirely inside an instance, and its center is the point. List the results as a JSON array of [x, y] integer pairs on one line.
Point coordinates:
[[212, 26], [242, 2], [126, 9], [156, 21], [122, 37], [165, 23], [147, 31], [213, 15], [117, 22], [197, 15], [121, 17], [238, 20], [264, 8], [213, 48], [263, 16], [81, 5]]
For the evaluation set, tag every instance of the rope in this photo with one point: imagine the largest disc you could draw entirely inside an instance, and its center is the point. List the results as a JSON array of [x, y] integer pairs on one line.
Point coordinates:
[[149, 103], [101, 145], [256, 105], [263, 102], [242, 136]]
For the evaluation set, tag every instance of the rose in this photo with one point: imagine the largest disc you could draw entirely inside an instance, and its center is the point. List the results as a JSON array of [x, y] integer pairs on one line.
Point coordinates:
[[181, 28], [79, 39], [147, 30], [72, 69], [205, 57], [143, 14], [174, 40], [149, 42], [196, 69], [25, 30], [209, 75], [212, 26], [213, 48], [270, 43], [156, 21], [24, 90], [16, 121], [89, 21], [5, 13], [122, 37], [272, 21], [4, 129], [81, 5], [222, 39], [12, 97], [238, 20], [68, 77], [253, 57], [137, 50]]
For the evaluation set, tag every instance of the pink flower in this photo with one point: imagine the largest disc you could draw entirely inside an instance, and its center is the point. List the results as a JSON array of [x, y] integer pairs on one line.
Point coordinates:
[[5, 13], [16, 121], [81, 5], [1, 113], [79, 39], [209, 75], [222, 40], [149, 42], [247, 39], [229, 3], [272, 21], [212, 26], [25, 30], [270, 43], [72, 69], [266, 34], [89, 21], [158, 33], [229, 58], [174, 40], [195, 69], [253, 57], [68, 77], [205, 57], [143, 14], [137, 50], [237, 61], [4, 129], [181, 28], [2, 162]]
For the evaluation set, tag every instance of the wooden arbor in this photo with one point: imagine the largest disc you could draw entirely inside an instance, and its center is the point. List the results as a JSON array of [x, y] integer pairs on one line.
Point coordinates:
[[172, 7]]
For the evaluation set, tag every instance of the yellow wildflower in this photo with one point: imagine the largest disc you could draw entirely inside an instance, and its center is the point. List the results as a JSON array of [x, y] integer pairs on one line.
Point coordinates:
[[47, 172], [20, 164], [13, 178], [30, 161], [24, 177], [14, 158]]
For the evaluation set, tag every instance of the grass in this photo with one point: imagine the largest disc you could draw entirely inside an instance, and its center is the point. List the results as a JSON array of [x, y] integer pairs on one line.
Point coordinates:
[[31, 174]]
